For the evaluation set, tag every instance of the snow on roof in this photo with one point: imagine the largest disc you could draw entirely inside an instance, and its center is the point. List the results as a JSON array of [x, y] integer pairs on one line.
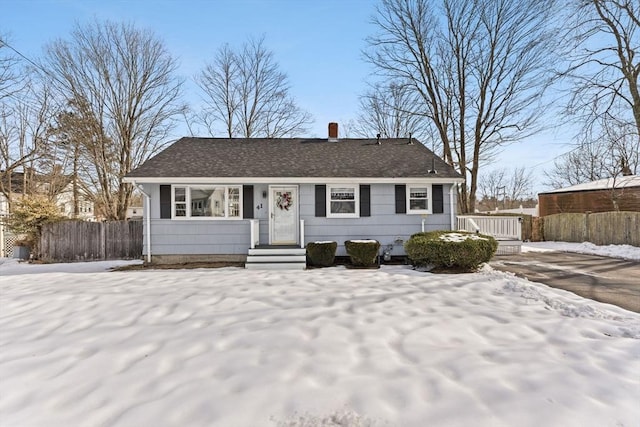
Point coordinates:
[[602, 184]]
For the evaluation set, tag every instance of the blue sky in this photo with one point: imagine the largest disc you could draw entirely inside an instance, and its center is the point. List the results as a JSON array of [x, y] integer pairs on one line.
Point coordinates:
[[317, 43]]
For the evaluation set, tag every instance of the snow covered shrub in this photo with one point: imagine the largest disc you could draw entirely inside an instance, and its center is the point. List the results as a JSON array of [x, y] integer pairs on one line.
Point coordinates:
[[321, 254], [362, 253], [450, 249]]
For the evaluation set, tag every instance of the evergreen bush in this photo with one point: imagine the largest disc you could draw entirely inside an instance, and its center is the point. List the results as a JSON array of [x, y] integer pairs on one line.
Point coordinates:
[[28, 214], [456, 250], [321, 254], [362, 253]]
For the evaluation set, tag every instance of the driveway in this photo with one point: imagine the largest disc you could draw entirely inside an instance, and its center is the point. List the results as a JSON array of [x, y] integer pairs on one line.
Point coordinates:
[[610, 280]]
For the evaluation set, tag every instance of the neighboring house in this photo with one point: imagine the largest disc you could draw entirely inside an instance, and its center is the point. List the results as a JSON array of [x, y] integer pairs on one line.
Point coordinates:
[[59, 188], [613, 194], [86, 209], [135, 212], [215, 198]]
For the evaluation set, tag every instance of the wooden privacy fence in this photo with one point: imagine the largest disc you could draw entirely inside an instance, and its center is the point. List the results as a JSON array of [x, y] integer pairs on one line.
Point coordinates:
[[85, 241], [604, 228]]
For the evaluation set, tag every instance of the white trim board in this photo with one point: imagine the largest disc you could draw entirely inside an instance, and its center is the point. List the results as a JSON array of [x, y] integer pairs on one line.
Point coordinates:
[[290, 181]]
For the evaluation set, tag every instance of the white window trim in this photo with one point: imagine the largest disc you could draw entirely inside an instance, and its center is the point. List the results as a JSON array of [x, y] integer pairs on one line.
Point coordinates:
[[429, 209], [205, 218], [356, 196]]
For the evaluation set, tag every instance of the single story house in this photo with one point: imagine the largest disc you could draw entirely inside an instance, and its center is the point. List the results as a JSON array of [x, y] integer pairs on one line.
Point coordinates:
[[217, 198], [621, 193]]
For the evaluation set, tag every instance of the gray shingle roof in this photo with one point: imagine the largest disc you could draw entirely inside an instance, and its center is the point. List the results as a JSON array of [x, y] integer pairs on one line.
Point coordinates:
[[295, 157]]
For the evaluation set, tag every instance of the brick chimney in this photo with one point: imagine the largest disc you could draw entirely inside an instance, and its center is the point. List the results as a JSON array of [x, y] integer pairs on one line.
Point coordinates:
[[333, 132]]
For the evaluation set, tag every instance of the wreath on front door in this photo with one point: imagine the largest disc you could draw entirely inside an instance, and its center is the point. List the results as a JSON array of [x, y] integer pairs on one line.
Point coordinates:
[[284, 201]]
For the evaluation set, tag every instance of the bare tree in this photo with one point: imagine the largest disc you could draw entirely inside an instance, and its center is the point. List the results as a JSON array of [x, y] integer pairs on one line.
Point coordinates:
[[248, 95], [24, 130], [9, 66], [480, 68], [605, 98], [506, 188], [613, 151], [119, 82], [391, 111], [605, 64]]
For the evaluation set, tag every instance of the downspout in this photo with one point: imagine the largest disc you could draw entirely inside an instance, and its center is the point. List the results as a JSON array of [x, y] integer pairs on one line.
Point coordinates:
[[147, 211], [452, 212]]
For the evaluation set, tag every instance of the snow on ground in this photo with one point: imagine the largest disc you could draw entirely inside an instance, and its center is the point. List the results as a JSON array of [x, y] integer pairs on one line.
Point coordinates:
[[13, 266], [614, 251], [322, 347]]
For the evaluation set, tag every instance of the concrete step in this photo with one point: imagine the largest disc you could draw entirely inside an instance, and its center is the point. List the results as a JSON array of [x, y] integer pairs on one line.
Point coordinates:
[[276, 258], [275, 266], [278, 251]]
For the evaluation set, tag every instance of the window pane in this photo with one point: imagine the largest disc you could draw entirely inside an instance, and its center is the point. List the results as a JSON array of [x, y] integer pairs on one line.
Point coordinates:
[[216, 202], [200, 201], [234, 202], [418, 204], [180, 196], [343, 194], [418, 193], [343, 207]]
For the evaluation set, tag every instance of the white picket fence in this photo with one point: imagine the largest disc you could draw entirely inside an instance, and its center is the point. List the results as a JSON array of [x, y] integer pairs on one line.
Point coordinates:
[[506, 229]]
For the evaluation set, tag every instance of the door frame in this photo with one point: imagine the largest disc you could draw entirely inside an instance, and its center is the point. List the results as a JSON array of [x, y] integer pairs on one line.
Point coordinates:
[[296, 202]]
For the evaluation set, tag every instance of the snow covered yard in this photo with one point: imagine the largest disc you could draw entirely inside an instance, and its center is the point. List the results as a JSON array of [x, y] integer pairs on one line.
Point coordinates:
[[233, 347]]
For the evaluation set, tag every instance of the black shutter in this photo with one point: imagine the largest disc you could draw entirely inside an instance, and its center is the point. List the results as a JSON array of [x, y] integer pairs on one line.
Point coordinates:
[[401, 199], [165, 201], [438, 199], [321, 200], [365, 200], [247, 201]]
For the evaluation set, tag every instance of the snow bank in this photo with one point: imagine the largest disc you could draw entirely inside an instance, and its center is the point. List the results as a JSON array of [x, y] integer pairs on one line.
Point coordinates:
[[613, 251]]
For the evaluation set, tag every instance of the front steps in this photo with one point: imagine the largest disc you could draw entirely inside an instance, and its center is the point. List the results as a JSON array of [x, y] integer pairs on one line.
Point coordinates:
[[277, 258]]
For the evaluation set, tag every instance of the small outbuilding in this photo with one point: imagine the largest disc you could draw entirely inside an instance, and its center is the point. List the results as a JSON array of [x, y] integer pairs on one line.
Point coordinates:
[[605, 195]]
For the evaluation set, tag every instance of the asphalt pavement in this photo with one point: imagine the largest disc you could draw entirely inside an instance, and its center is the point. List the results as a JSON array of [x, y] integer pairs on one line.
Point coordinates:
[[609, 280]]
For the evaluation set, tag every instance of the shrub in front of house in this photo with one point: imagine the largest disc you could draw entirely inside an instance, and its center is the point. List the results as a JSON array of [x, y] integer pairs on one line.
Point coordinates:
[[362, 253], [321, 254], [456, 250]]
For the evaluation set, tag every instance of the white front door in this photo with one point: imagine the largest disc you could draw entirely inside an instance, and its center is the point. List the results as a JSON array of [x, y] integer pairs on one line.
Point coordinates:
[[283, 213]]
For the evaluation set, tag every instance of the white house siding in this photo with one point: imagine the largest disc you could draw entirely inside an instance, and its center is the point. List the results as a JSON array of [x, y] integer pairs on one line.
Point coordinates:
[[227, 237]]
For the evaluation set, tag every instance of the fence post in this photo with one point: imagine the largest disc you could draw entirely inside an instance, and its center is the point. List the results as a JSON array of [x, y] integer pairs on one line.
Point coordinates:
[[103, 241]]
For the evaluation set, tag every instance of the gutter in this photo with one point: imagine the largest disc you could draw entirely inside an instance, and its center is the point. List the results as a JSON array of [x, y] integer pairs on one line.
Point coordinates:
[[147, 219], [452, 214]]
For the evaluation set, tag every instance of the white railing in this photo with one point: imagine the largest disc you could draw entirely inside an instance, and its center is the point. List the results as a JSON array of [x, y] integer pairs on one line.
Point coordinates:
[[255, 232], [500, 227]]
